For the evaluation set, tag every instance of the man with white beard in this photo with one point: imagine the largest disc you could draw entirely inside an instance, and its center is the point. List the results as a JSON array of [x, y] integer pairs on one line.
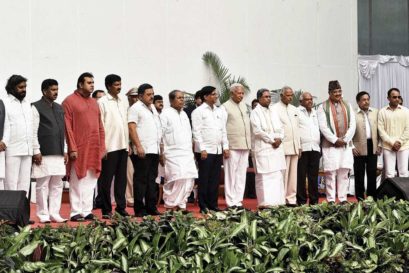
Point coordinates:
[[268, 157], [180, 168]]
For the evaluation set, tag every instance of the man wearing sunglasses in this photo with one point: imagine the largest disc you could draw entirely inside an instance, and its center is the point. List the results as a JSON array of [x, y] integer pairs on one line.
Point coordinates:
[[393, 127]]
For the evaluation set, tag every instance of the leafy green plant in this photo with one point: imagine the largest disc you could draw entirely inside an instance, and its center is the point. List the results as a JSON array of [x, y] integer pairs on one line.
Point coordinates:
[[222, 75], [362, 237]]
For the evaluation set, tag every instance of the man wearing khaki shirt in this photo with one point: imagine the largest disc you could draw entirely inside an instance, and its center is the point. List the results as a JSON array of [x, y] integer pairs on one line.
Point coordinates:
[[288, 115], [365, 148], [393, 127]]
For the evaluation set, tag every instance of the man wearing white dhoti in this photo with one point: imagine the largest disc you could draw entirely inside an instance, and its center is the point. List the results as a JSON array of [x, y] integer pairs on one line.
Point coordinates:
[[3, 120], [18, 135], [180, 168], [50, 153], [337, 124], [393, 127], [239, 138], [288, 115], [268, 157]]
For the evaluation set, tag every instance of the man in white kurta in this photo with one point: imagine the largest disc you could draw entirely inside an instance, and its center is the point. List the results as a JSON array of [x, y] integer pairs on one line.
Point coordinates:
[[288, 115], [337, 124], [180, 168], [50, 153], [18, 136], [238, 136], [267, 152], [3, 125]]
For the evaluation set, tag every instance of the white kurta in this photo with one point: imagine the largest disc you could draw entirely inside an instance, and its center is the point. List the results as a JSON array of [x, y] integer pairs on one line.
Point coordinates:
[[179, 158], [265, 127], [268, 161], [336, 158]]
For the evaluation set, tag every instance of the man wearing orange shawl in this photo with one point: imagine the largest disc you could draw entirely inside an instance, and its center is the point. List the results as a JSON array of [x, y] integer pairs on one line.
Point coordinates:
[[337, 124]]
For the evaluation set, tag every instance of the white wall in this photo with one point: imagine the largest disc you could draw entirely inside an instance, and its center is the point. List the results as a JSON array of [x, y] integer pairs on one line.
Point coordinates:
[[271, 43]]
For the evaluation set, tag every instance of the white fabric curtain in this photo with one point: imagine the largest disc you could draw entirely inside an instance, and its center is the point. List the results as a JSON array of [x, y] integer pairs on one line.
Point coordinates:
[[379, 73]]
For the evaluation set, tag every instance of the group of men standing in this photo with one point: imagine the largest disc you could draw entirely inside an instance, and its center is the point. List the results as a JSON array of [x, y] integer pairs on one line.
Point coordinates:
[[92, 141]]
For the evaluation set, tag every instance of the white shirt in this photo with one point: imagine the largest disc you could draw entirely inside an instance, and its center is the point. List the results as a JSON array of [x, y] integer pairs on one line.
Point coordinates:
[[209, 130], [148, 126], [36, 125], [177, 143], [115, 122], [176, 131], [309, 130], [18, 131]]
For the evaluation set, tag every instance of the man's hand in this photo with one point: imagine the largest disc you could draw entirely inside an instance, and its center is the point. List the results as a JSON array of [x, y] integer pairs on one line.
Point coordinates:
[[299, 153], [355, 152], [340, 143], [73, 155], [2, 146], [226, 154], [140, 152], [276, 143], [203, 155], [396, 146], [379, 151], [162, 160], [37, 159], [65, 158]]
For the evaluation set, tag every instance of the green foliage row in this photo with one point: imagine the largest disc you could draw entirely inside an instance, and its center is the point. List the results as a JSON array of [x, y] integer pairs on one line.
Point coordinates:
[[363, 237]]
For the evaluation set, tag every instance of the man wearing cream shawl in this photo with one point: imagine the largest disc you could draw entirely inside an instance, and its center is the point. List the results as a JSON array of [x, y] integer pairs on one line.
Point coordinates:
[[337, 125], [268, 157]]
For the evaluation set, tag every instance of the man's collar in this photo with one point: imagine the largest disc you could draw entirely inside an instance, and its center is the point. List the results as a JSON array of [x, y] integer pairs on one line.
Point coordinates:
[[360, 110], [398, 107], [16, 99], [110, 97]]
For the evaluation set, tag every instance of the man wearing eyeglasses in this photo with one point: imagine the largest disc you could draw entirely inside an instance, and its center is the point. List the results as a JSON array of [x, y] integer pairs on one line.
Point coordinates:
[[393, 127]]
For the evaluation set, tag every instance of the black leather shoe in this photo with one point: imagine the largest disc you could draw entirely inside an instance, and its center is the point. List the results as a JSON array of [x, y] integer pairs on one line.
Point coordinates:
[[204, 211], [154, 213], [107, 215], [90, 217], [344, 203], [216, 209], [77, 218], [140, 214], [123, 213], [291, 205]]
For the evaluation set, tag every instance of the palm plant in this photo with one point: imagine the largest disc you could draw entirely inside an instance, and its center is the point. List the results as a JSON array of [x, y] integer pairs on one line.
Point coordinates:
[[222, 75]]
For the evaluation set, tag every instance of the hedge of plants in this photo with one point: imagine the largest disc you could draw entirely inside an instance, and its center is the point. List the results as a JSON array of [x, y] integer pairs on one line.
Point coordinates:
[[361, 237]]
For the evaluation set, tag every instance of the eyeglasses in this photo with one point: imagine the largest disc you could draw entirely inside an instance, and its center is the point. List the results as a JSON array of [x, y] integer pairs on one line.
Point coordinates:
[[396, 97]]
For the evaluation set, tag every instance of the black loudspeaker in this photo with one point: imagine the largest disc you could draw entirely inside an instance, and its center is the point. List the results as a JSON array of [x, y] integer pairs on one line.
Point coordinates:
[[397, 187], [14, 208]]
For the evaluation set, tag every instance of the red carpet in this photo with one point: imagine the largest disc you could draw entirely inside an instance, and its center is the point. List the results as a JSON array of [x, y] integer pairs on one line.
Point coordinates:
[[194, 208]]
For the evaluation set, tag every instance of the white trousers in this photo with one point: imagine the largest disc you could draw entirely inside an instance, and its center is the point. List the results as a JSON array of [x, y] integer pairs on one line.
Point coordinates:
[[175, 193], [390, 158], [18, 172], [270, 189], [48, 197], [290, 179], [235, 169], [337, 181], [82, 193]]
